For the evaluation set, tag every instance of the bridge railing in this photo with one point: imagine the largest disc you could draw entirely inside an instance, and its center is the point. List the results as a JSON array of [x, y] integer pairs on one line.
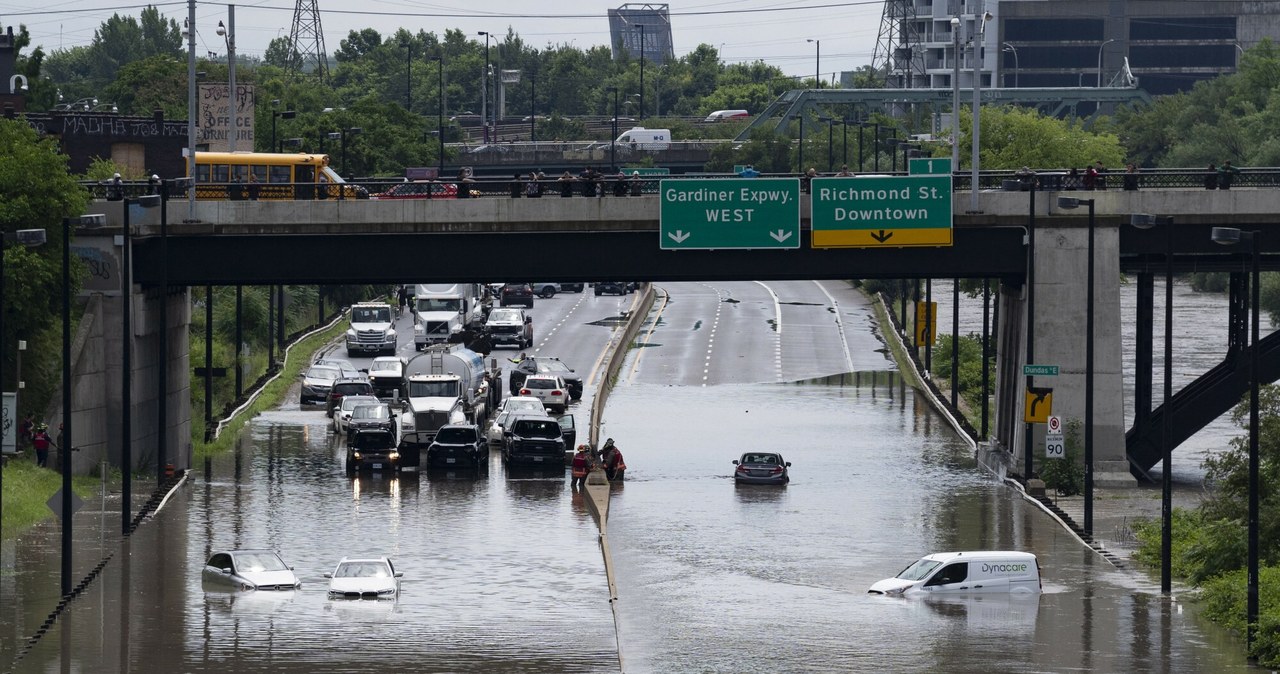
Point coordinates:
[[488, 187]]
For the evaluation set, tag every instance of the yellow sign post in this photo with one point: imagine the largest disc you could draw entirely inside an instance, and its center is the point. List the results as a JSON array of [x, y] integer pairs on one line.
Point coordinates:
[[926, 322], [1039, 405]]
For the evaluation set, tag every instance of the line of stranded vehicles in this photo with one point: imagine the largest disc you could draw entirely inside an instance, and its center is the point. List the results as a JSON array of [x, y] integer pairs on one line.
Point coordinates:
[[444, 406]]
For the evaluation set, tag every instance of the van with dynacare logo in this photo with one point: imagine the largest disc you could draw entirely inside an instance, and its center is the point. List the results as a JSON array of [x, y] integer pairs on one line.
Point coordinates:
[[966, 572]]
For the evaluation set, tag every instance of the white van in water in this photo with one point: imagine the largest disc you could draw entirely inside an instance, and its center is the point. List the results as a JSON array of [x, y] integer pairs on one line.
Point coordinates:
[[966, 572], [646, 139]]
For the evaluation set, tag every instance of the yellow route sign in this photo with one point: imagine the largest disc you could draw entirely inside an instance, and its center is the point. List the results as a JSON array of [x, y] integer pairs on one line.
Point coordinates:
[[1039, 406], [926, 322]]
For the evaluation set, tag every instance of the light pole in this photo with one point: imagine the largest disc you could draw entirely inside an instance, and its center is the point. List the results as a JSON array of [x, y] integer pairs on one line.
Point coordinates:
[[1012, 50], [64, 446], [355, 130], [641, 115], [189, 32], [955, 94], [613, 139], [228, 33], [29, 238], [1145, 221], [1028, 456], [484, 89], [278, 114], [1228, 236], [817, 61], [439, 59], [977, 108], [1071, 202], [1099, 84], [126, 356]]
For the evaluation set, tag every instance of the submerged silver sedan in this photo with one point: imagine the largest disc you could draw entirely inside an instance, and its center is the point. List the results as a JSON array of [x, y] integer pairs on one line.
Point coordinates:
[[244, 570], [761, 468]]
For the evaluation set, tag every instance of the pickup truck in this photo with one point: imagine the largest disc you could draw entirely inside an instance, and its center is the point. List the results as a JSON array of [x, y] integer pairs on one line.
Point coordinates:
[[534, 441]]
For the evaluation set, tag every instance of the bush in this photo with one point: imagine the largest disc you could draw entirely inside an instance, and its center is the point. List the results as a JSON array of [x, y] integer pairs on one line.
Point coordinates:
[[1225, 598], [1066, 475]]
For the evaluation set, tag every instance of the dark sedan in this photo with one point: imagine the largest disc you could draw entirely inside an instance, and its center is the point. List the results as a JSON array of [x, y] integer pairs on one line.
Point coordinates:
[[761, 468], [458, 446], [611, 287], [545, 365]]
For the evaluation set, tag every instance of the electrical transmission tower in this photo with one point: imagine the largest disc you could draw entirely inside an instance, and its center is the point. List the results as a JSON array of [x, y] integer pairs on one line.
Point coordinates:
[[306, 40], [898, 55]]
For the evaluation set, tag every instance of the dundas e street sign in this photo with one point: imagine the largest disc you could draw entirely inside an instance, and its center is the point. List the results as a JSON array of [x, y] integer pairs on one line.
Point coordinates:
[[730, 213]]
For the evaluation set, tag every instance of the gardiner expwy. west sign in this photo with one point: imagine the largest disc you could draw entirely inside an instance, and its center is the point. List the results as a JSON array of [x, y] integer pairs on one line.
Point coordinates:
[[881, 211], [730, 213]]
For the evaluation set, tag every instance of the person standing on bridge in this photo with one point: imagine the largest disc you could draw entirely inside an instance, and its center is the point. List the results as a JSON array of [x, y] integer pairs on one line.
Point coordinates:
[[1129, 182], [1227, 175], [749, 172], [1211, 178], [566, 184]]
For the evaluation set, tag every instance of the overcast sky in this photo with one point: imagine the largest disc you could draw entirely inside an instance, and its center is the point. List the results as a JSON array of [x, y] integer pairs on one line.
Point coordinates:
[[743, 30]]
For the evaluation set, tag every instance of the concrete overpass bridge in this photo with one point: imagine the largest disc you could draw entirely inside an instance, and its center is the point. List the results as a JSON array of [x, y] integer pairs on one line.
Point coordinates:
[[494, 239]]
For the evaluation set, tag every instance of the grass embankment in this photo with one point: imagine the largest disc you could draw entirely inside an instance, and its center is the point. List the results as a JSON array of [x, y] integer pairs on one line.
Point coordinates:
[[28, 487], [297, 360], [894, 345]]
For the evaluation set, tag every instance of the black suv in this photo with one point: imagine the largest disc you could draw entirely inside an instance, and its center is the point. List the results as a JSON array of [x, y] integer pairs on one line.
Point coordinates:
[[611, 287], [345, 387], [459, 446], [545, 365], [372, 448], [373, 415], [516, 293], [534, 441]]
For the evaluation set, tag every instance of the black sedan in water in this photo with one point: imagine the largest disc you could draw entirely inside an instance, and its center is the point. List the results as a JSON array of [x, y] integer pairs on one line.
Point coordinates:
[[761, 468]]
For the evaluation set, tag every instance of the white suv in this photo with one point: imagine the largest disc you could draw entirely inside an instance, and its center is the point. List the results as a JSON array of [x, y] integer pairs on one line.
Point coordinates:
[[548, 388]]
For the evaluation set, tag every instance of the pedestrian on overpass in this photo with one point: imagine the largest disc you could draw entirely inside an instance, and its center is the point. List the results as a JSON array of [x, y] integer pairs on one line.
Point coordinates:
[[566, 184], [1227, 175], [749, 172]]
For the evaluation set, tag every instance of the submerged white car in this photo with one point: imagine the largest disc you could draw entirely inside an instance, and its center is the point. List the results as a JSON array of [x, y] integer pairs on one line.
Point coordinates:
[[364, 578], [243, 570]]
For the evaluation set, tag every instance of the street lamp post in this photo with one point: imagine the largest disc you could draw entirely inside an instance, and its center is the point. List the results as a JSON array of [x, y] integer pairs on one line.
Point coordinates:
[[955, 94], [228, 33], [1012, 50], [126, 356], [484, 89], [1071, 202], [1099, 84], [817, 62], [30, 238], [1145, 221], [641, 115], [352, 131], [1227, 236], [278, 114], [977, 107], [439, 59], [68, 439], [613, 139]]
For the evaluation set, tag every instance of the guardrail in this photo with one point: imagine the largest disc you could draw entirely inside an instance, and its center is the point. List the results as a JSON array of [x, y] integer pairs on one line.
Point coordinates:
[[553, 187]]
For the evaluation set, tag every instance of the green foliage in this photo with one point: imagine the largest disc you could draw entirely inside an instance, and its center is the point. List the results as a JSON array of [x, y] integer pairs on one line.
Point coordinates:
[[1209, 281], [969, 381], [26, 489], [767, 151], [1066, 475], [1013, 137], [1225, 599]]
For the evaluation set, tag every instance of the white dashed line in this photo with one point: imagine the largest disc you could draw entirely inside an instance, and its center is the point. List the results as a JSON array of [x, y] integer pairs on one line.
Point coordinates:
[[844, 342], [777, 319]]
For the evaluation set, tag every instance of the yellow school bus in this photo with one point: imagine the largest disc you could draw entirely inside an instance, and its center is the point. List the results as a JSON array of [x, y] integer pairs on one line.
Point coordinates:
[[269, 175]]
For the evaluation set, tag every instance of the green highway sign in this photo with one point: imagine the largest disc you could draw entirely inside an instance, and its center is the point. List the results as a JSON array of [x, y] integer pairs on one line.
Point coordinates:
[[881, 211], [730, 213], [1040, 370], [929, 166]]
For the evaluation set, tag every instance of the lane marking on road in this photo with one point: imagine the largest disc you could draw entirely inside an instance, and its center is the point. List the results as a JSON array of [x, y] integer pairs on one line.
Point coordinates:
[[653, 324], [777, 322], [844, 340], [581, 296], [715, 325]]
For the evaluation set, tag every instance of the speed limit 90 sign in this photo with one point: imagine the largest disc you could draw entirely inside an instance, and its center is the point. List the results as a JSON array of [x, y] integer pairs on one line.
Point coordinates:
[[1055, 446]]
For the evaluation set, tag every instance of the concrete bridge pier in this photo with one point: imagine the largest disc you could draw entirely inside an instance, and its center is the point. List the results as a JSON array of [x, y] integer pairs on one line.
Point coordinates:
[[1061, 270], [97, 369]]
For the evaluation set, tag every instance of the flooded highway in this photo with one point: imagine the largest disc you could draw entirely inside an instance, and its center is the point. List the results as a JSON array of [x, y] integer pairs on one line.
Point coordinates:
[[503, 571]]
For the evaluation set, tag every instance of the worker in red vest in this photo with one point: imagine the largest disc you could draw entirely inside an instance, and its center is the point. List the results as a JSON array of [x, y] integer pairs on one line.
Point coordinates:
[[614, 467], [581, 466], [41, 441]]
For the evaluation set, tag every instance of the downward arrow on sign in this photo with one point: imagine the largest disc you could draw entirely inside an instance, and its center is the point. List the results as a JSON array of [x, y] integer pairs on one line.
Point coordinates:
[[780, 235], [881, 236], [678, 236]]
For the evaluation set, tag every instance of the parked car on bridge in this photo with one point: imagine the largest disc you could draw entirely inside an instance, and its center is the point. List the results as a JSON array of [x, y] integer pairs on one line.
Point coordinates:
[[550, 388], [364, 578], [242, 570], [419, 189], [342, 415], [545, 365], [316, 383], [761, 468], [458, 446]]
